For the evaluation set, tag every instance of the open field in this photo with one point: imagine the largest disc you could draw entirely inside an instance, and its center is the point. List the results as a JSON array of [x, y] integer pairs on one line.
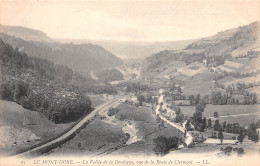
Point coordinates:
[[95, 138], [224, 110], [229, 80], [30, 125], [241, 119], [242, 65], [188, 110], [193, 69], [200, 83], [208, 133], [197, 86], [242, 114]]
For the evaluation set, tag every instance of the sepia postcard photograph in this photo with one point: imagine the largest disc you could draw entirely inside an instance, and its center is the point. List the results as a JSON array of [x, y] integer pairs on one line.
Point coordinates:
[[129, 82]]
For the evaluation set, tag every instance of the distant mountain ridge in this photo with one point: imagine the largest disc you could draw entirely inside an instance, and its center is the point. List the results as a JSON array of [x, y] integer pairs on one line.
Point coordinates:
[[227, 41], [227, 44], [25, 33], [82, 58], [136, 51]]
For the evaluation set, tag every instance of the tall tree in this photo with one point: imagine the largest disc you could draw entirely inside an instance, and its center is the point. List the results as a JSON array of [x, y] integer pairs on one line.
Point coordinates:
[[209, 123], [140, 99], [197, 118], [241, 136], [215, 114], [220, 136], [224, 125], [204, 123], [252, 133], [217, 125]]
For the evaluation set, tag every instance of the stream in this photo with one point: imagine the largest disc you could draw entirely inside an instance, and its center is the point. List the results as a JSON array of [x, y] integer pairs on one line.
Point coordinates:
[[128, 127]]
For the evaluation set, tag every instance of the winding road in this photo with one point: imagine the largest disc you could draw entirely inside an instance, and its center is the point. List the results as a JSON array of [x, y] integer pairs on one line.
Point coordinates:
[[52, 144], [188, 139]]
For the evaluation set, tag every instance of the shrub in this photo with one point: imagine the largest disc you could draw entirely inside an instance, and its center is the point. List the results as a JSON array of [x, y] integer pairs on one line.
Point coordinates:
[[112, 111], [163, 144], [240, 151], [121, 117], [227, 150]]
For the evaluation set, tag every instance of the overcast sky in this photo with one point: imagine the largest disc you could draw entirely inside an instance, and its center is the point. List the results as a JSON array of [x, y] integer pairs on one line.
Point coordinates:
[[129, 20]]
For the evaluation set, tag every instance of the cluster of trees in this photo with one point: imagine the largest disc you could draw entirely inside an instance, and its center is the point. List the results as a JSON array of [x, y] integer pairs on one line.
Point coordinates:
[[217, 98], [216, 61], [147, 98], [39, 85], [194, 100], [177, 96], [87, 84], [239, 88], [109, 75], [235, 128], [228, 150], [252, 133], [164, 144], [56, 108], [236, 74], [179, 115], [249, 98], [134, 87], [112, 111], [249, 54], [197, 120]]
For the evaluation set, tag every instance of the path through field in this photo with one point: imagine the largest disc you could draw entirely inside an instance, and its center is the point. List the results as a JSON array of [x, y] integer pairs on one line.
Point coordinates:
[[235, 115], [188, 139]]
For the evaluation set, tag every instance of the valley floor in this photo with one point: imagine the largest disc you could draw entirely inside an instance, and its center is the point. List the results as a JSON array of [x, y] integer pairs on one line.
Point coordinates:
[[101, 138]]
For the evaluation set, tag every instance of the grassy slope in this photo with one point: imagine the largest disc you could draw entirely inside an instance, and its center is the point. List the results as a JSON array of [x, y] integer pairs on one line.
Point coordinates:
[[12, 114], [95, 138]]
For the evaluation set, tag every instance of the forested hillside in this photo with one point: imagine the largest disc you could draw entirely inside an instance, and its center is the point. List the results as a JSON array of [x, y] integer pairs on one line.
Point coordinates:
[[40, 85], [25, 33], [82, 58], [109, 75]]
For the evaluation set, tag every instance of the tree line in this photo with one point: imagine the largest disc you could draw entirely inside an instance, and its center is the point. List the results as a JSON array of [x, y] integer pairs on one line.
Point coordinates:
[[236, 74]]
